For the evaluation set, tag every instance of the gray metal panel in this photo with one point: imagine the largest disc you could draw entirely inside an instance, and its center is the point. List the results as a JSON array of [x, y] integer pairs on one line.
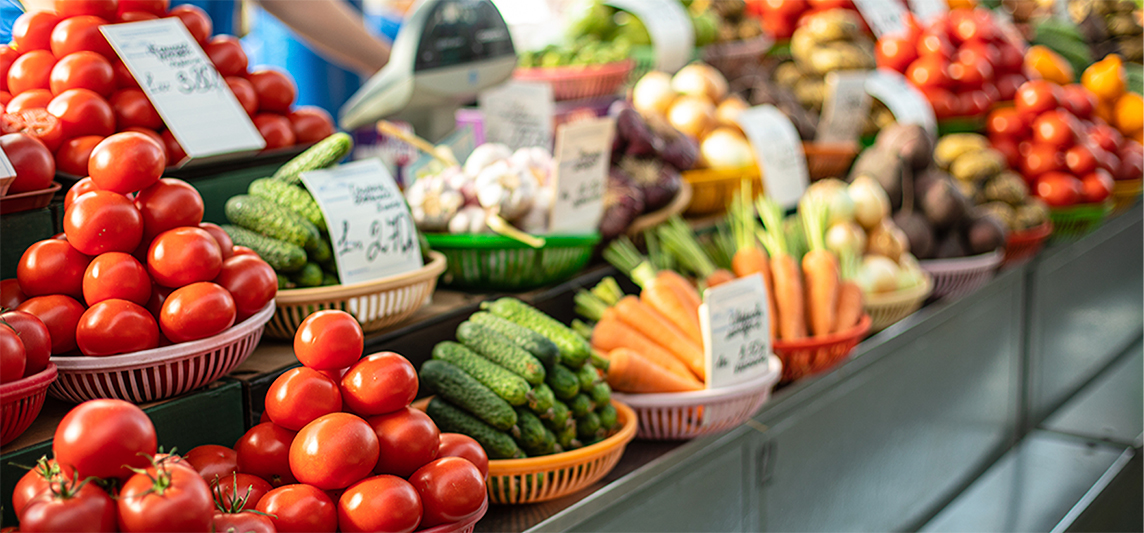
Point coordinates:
[[1085, 306], [1035, 487], [884, 449], [1111, 407]]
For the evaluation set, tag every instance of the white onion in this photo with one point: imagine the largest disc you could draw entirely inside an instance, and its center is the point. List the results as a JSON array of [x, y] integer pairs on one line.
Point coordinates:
[[910, 272], [871, 204], [877, 274], [728, 111], [726, 148], [692, 115], [846, 236], [653, 94], [700, 79], [834, 193]]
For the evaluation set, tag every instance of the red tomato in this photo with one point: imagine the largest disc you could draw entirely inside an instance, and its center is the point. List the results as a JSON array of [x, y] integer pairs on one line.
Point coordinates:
[[310, 124], [1058, 189], [38, 123], [112, 327], [329, 339], [971, 24], [31, 160], [379, 383], [465, 447], [300, 508], [242, 250], [1131, 166], [13, 355], [60, 314], [1035, 97], [944, 102], [182, 256], [380, 503], [116, 275], [32, 70], [975, 103], [154, 7], [1106, 137], [83, 112], [132, 108], [10, 294], [265, 452], [196, 20], [166, 498], [71, 505], [1057, 128], [80, 33], [127, 162], [52, 266], [451, 489], [73, 155], [1096, 186], [105, 438], [245, 522], [225, 245], [334, 451], [239, 492], [7, 56], [123, 77], [98, 8], [175, 152], [1007, 122], [244, 92], [895, 52], [103, 221], [1080, 160], [1041, 158], [301, 395], [35, 482], [971, 75], [83, 70], [168, 204], [225, 51], [929, 71], [934, 42], [1078, 100], [1007, 85], [212, 460], [250, 280], [30, 99], [134, 16], [974, 51], [275, 129], [35, 337], [154, 135], [276, 90], [1009, 57], [196, 311], [5, 96], [33, 30], [408, 439]]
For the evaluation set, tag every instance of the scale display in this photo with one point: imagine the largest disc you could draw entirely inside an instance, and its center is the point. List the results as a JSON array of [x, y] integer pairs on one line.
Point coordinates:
[[462, 31]]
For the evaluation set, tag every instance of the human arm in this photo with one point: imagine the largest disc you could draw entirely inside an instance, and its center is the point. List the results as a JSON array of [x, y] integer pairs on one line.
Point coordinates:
[[334, 29]]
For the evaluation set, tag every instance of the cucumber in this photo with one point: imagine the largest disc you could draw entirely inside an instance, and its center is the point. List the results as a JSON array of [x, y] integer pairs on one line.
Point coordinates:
[[541, 400], [601, 394], [566, 438], [297, 199], [563, 382], [329, 279], [588, 377], [531, 438], [510, 387], [284, 282], [574, 350], [464, 391], [608, 417], [581, 405], [501, 350], [280, 255], [449, 418], [548, 445], [309, 276], [322, 252], [561, 416], [538, 345], [272, 220], [588, 427], [324, 153]]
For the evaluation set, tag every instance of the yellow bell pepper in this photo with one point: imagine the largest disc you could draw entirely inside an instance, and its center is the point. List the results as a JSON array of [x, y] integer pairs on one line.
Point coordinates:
[[1105, 78], [1048, 65], [1129, 113]]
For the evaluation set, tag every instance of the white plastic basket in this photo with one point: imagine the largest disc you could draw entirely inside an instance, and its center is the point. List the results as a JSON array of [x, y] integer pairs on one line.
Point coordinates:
[[686, 415], [962, 275], [150, 375]]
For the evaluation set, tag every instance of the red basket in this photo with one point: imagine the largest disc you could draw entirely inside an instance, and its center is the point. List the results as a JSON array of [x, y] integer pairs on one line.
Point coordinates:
[[805, 357], [27, 201], [22, 400], [577, 82], [1023, 245], [464, 525]]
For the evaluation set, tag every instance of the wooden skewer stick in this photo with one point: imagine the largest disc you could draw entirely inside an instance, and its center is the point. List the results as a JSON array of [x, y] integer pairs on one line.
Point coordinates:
[[441, 153]]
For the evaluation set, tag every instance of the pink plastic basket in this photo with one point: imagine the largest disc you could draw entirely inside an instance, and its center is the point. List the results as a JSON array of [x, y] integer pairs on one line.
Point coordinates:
[[464, 525], [962, 275], [686, 415], [576, 82], [22, 400], [159, 373]]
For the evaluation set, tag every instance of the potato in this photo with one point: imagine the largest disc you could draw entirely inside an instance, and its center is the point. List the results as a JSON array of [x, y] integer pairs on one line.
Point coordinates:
[[950, 147], [1032, 214], [811, 92], [1001, 211], [975, 166], [1007, 187], [838, 56], [787, 74], [801, 44], [833, 25]]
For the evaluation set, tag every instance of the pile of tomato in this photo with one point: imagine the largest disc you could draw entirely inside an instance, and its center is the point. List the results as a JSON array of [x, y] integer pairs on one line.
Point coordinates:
[[781, 17], [61, 82], [1066, 153], [961, 61], [135, 267]]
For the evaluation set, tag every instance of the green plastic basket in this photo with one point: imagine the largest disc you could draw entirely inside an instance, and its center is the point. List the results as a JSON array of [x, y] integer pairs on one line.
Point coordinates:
[[1072, 223], [494, 262], [967, 124]]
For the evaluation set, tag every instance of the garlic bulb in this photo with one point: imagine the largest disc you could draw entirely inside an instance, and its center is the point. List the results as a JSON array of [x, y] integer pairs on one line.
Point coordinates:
[[433, 202], [537, 160], [506, 190], [470, 219], [485, 155]]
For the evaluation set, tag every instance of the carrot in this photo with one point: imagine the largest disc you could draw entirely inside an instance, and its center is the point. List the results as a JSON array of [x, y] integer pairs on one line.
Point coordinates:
[[820, 268], [749, 258], [612, 333], [719, 277], [788, 293], [654, 326], [659, 295], [629, 371], [849, 305], [684, 290]]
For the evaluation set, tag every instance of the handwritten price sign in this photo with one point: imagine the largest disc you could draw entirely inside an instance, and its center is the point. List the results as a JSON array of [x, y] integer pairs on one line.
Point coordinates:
[[582, 158], [371, 230], [736, 331], [884, 16], [518, 114], [179, 79], [908, 104], [777, 145], [669, 27], [846, 106]]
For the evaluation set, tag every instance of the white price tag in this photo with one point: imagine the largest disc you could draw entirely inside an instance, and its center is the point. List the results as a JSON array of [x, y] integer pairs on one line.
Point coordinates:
[[846, 107], [736, 331], [779, 150], [669, 27], [518, 114], [883, 16], [6, 168], [179, 79], [927, 10], [371, 230], [905, 101], [583, 150]]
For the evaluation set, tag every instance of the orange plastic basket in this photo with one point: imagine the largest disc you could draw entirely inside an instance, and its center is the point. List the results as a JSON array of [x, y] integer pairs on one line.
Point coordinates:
[[809, 356], [886, 308], [1125, 193], [713, 188], [578, 82], [1021, 246], [538, 479], [829, 160]]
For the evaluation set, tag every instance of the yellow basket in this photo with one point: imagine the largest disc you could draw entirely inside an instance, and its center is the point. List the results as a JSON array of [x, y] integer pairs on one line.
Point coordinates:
[[712, 189], [1125, 193], [538, 479], [376, 304], [886, 308]]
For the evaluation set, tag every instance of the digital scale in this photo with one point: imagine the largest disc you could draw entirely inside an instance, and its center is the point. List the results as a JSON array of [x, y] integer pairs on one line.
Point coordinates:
[[445, 53]]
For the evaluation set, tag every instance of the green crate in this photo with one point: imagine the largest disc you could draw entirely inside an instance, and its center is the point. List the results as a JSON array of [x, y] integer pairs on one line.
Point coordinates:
[[1072, 223], [494, 262]]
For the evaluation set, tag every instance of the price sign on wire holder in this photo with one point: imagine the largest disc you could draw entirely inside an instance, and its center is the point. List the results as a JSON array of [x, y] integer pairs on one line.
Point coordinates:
[[518, 114], [779, 150], [582, 159], [927, 10], [669, 27], [370, 227], [884, 16], [182, 83], [846, 107], [908, 104], [736, 331]]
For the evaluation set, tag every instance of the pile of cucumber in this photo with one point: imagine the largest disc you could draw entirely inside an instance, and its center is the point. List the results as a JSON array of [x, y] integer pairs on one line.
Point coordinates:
[[281, 221], [519, 382]]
